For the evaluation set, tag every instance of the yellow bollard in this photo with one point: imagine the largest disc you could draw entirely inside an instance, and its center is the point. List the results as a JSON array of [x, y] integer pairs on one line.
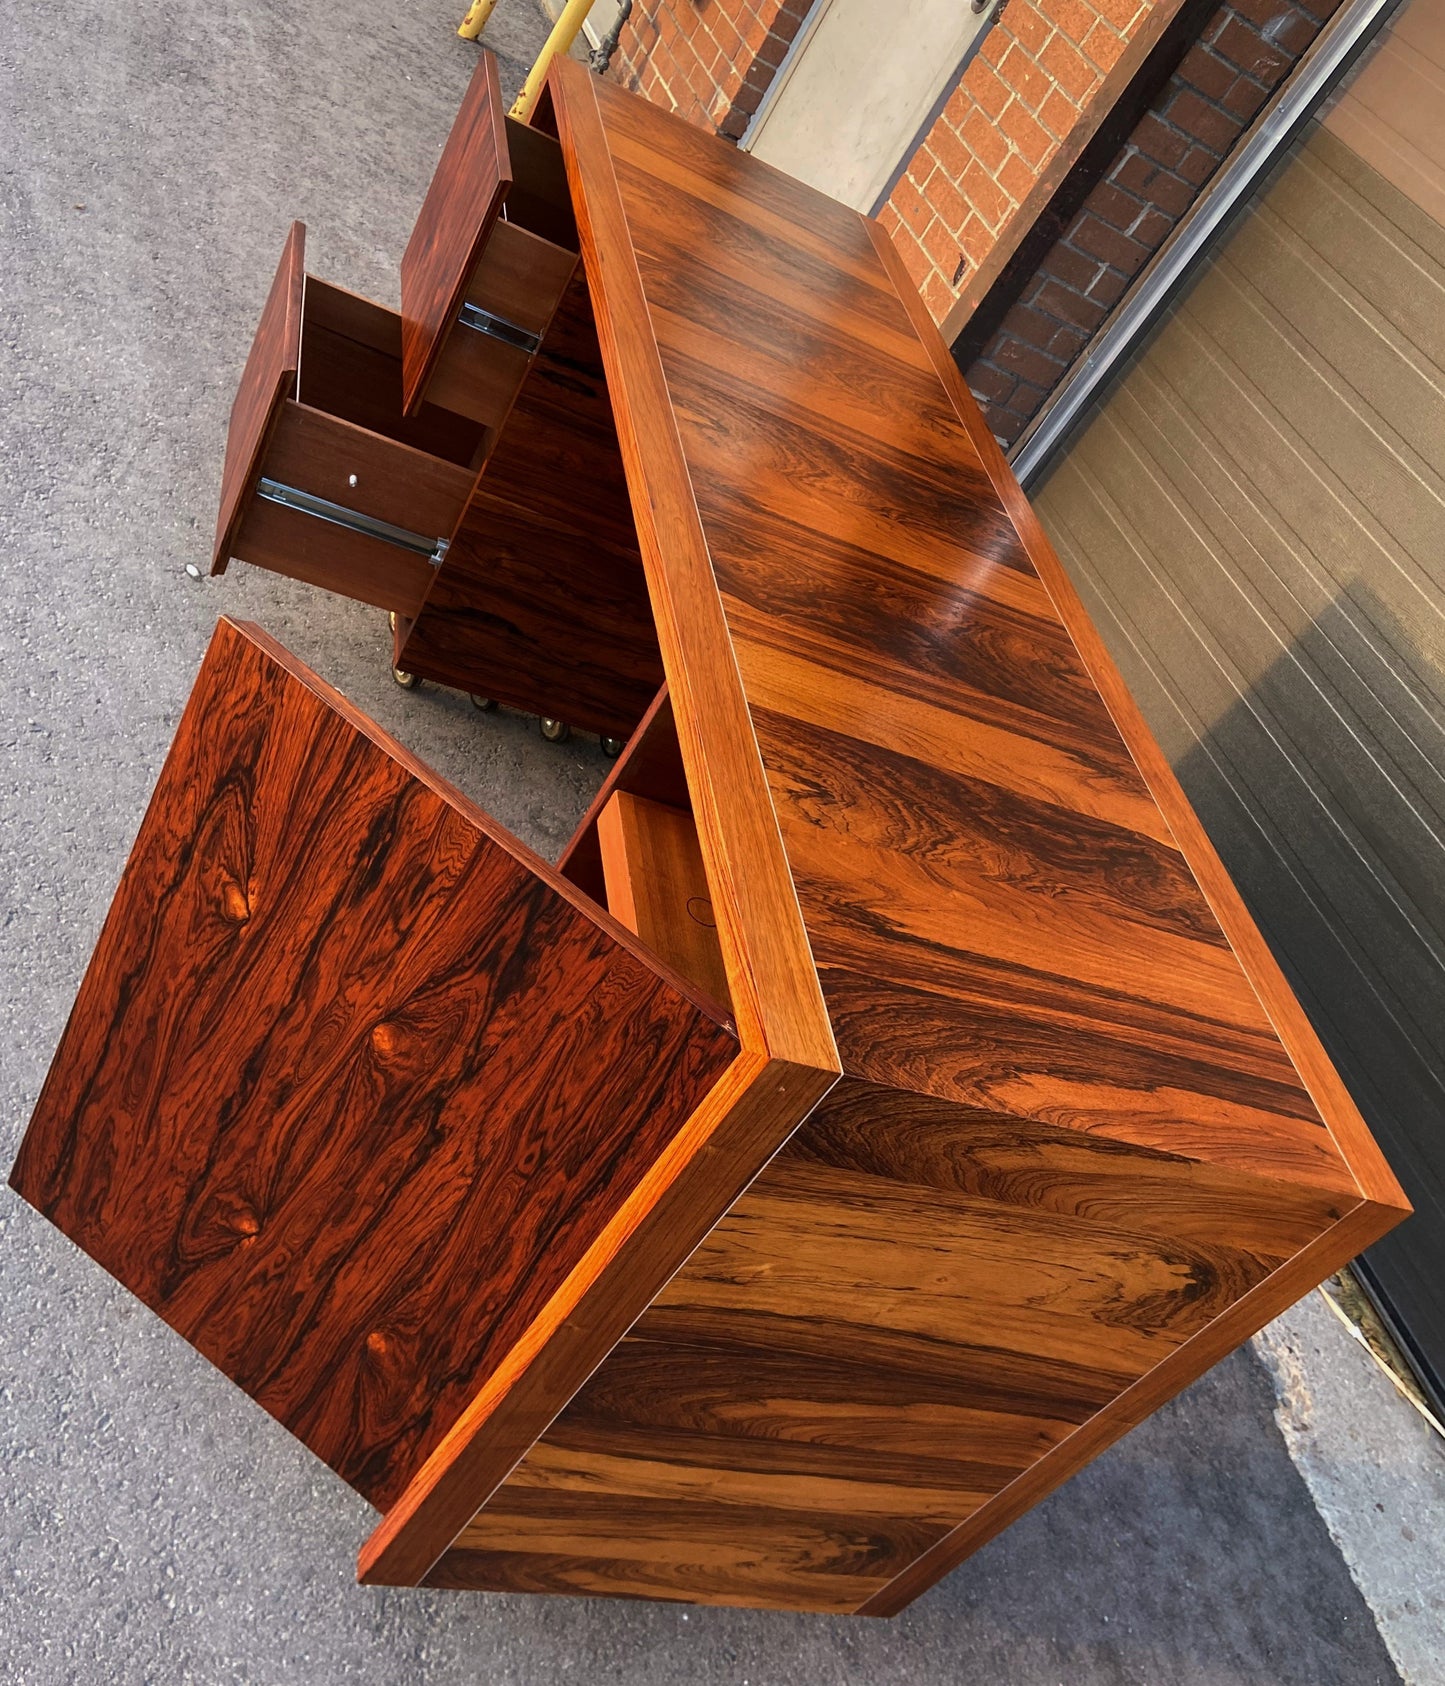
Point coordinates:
[[475, 21], [564, 33]]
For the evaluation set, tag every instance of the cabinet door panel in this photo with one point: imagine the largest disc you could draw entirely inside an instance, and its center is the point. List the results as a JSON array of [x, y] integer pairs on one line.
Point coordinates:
[[352, 1081]]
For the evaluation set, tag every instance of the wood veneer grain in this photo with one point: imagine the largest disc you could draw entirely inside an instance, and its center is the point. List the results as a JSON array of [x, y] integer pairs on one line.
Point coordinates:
[[770, 969], [656, 884], [353, 1081], [650, 766], [461, 205], [269, 375], [1081, 1148], [541, 601], [909, 1310]]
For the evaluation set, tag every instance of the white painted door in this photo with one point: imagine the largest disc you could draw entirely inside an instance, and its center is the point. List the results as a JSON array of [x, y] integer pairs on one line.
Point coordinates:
[[851, 101]]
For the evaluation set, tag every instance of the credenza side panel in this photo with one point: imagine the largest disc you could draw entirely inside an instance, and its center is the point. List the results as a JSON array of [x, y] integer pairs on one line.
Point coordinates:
[[914, 1307], [353, 1081]]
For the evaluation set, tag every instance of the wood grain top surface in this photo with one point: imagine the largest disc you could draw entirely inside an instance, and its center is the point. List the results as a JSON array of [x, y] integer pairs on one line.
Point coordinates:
[[994, 894]]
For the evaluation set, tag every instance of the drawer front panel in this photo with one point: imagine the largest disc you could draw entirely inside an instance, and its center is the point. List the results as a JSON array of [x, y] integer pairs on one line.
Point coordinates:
[[352, 1081], [269, 376], [462, 203], [350, 466]]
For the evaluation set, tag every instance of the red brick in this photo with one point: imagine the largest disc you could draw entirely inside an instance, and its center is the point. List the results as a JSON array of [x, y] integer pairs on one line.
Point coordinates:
[[1069, 307], [727, 38], [1058, 113], [946, 146], [1069, 68], [747, 100], [1199, 165], [1134, 172], [989, 383], [985, 142], [913, 209], [988, 88], [1021, 74], [1104, 47], [1028, 135], [1244, 100], [997, 45], [1028, 326], [1155, 141], [1295, 30], [666, 66], [1107, 244], [998, 422], [1216, 129], [937, 296], [1108, 289], [773, 51], [941, 244], [1242, 46], [1068, 264], [1017, 178], [985, 195], [1170, 193], [1261, 13], [1205, 71], [1120, 13], [1110, 204], [976, 240], [1073, 17], [949, 205], [1067, 343], [1028, 25], [1013, 356], [1152, 228]]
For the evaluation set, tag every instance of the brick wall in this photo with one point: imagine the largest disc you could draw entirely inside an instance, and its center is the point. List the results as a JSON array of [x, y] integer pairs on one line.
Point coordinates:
[[1039, 72], [1025, 106], [710, 60], [1244, 51]]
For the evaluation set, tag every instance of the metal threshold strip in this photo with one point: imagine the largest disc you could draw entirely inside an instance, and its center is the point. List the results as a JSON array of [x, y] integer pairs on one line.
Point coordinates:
[[498, 328], [1316, 75], [370, 526]]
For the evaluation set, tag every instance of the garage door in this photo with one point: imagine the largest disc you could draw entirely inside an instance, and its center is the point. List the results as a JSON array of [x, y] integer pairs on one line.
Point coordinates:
[[1256, 516]]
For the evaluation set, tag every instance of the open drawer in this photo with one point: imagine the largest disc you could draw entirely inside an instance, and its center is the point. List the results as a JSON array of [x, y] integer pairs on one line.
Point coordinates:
[[356, 1089], [325, 479], [488, 261]]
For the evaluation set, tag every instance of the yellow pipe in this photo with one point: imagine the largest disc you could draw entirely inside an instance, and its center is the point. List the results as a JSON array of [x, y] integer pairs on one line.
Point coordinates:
[[564, 33], [475, 21]]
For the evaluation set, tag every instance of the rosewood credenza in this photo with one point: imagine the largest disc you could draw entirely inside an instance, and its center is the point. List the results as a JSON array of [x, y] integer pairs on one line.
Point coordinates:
[[887, 1100]]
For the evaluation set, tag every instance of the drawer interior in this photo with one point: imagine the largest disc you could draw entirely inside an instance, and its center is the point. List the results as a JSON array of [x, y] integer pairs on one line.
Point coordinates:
[[521, 270], [326, 479], [350, 368], [636, 853]]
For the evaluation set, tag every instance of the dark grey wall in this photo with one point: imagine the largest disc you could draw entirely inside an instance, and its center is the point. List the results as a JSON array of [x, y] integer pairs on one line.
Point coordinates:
[[1255, 515]]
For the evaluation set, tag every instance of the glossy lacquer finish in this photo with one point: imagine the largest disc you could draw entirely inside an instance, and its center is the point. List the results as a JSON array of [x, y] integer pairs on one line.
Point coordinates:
[[269, 377], [541, 600], [1085, 1141], [354, 1084], [462, 203]]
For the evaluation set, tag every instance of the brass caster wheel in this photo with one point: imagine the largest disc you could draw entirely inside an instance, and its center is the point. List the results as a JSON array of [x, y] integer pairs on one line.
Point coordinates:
[[612, 748], [407, 681], [485, 704], [391, 621], [555, 731]]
